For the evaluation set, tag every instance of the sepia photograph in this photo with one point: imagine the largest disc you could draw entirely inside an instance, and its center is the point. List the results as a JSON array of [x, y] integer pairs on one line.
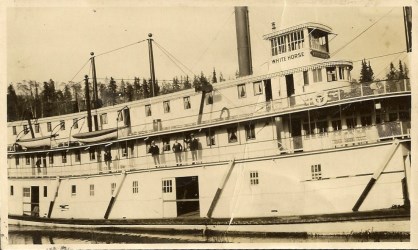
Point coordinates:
[[208, 124]]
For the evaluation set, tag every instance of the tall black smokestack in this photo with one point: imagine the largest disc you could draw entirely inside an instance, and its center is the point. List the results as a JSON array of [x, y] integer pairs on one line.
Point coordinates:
[[243, 41]]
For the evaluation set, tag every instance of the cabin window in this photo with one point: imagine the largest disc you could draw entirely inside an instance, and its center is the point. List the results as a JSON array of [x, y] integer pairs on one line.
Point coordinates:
[[75, 123], [14, 130], [167, 186], [64, 156], [274, 46], [232, 135], [11, 191], [309, 128], [135, 187], [45, 191], [295, 40], [166, 143], [336, 125], [322, 126], [17, 160], [366, 120], [250, 131], [26, 192], [317, 75], [25, 128], [148, 110], [254, 178], [281, 44], [62, 122], [341, 72], [316, 172], [27, 159], [92, 154], [258, 88], [91, 189], [242, 93], [112, 188], [331, 74], [186, 102], [124, 146], [48, 127], [209, 98], [305, 78], [166, 105], [351, 122], [77, 155], [51, 158], [37, 128], [73, 190], [103, 118], [210, 137]]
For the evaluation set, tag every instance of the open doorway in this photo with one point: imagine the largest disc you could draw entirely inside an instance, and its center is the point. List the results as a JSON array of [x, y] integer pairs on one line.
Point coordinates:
[[290, 88], [187, 196], [34, 200]]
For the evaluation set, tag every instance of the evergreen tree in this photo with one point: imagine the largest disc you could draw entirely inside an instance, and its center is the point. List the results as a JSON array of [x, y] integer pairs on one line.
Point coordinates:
[[137, 89], [366, 72], [406, 71], [187, 84], [392, 75], [214, 80], [221, 77], [401, 74], [12, 104], [176, 84], [122, 89], [196, 84], [111, 88], [129, 92], [166, 88], [145, 88]]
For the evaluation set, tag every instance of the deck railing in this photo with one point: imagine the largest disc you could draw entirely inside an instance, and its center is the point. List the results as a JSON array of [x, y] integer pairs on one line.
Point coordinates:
[[242, 150]]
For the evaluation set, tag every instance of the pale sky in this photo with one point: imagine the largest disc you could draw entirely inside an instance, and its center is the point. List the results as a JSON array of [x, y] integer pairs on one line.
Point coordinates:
[[55, 42]]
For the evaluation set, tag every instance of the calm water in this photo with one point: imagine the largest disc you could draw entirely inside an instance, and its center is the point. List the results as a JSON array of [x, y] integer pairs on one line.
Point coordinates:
[[33, 235]]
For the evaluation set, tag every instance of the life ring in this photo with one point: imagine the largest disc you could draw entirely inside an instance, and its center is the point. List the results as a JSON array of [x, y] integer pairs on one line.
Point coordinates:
[[224, 109], [320, 98]]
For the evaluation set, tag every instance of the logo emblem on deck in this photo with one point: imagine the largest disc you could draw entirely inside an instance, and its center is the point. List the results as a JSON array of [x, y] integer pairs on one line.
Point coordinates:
[[320, 99]]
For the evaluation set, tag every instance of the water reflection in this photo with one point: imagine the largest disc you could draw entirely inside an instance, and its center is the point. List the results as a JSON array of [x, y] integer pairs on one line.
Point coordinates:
[[32, 235]]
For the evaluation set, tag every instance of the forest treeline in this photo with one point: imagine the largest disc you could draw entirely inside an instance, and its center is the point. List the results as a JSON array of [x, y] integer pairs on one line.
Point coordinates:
[[35, 99]]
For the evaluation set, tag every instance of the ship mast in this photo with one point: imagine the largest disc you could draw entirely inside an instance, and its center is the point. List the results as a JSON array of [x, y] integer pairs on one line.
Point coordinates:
[[151, 64], [86, 80], [95, 91]]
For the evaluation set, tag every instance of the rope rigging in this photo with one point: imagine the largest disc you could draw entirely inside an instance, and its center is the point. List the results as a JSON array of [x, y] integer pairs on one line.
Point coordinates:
[[361, 33]]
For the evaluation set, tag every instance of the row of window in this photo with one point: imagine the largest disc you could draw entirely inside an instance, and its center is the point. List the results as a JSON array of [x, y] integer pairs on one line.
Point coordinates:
[[257, 88], [288, 42], [26, 191]]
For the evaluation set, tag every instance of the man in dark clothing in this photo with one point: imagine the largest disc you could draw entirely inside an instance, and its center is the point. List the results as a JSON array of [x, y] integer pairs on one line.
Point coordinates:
[[108, 159], [177, 149], [194, 145], [154, 150], [38, 165]]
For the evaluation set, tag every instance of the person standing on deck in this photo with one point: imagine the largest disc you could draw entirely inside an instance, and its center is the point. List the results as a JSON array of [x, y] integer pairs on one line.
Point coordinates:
[[177, 149], [155, 152], [108, 158], [194, 145]]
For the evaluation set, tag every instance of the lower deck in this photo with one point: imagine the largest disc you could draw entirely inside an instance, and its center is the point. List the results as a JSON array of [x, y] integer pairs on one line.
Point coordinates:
[[284, 185]]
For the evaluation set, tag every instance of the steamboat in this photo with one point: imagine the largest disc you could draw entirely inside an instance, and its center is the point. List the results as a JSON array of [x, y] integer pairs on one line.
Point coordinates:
[[300, 148]]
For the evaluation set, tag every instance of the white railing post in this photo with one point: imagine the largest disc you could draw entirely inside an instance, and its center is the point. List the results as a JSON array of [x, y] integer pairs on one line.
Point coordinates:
[[361, 90], [404, 84], [384, 87]]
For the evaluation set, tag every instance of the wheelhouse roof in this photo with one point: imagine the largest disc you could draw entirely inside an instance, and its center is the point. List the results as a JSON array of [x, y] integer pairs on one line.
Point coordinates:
[[316, 26]]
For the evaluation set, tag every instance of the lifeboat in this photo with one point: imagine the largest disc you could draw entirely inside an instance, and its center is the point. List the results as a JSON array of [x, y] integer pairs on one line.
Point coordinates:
[[38, 142], [95, 136]]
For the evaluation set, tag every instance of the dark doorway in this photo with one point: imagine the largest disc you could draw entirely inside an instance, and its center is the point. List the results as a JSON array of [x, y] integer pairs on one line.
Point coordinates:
[[296, 129], [34, 200], [187, 196], [267, 88], [96, 122], [290, 88], [126, 117]]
